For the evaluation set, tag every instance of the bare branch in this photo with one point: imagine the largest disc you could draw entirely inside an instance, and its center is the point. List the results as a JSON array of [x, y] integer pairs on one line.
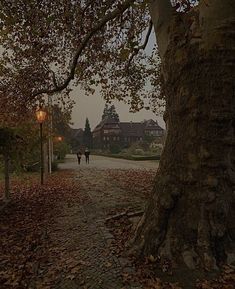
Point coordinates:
[[143, 46], [119, 10]]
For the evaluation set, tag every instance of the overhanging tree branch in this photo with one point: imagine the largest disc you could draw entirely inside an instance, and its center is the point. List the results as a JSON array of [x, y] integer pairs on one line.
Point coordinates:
[[57, 88], [143, 46]]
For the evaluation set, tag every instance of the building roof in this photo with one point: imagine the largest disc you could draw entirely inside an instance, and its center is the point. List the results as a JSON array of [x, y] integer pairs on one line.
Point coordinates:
[[107, 121], [132, 128], [129, 128], [151, 124]]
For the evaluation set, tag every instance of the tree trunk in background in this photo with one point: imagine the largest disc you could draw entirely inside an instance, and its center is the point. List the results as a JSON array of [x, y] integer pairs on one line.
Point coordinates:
[[6, 175], [190, 217], [45, 161]]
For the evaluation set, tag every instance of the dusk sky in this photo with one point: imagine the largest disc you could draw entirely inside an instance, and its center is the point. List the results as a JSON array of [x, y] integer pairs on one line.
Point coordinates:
[[92, 107]]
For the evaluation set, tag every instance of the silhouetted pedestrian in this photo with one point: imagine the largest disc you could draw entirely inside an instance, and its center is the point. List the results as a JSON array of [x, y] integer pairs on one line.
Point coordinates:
[[79, 156], [87, 155]]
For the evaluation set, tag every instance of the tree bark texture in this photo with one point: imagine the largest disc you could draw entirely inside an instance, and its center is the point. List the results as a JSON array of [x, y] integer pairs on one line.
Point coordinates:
[[190, 217]]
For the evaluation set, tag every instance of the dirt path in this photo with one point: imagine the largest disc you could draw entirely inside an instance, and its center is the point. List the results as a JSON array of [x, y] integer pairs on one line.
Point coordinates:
[[56, 236], [82, 239], [101, 162]]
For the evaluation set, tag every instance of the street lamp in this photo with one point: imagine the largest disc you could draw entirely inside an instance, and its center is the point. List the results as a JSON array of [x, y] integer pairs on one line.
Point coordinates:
[[41, 117]]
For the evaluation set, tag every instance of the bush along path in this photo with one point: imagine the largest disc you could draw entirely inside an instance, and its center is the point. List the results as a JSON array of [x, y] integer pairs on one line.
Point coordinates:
[[72, 232]]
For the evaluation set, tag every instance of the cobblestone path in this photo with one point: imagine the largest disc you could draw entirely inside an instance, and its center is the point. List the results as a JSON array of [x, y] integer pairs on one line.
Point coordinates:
[[80, 233]]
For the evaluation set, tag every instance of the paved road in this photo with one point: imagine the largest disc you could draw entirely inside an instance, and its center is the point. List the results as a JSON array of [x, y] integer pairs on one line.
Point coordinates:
[[101, 162]]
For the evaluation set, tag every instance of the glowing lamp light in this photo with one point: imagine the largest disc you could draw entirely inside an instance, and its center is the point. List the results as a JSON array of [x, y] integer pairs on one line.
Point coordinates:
[[59, 138], [41, 115]]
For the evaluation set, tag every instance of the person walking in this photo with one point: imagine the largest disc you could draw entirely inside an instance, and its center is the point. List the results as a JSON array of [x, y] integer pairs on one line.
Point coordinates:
[[87, 155], [79, 156]]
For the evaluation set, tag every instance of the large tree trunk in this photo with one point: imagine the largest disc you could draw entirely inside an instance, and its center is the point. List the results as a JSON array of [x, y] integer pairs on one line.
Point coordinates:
[[190, 217]]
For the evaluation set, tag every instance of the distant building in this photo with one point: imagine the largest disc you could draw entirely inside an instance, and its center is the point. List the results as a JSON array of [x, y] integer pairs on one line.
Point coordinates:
[[109, 132]]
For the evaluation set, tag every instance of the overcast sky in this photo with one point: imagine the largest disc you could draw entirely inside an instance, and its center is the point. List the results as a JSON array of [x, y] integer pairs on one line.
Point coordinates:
[[92, 107]]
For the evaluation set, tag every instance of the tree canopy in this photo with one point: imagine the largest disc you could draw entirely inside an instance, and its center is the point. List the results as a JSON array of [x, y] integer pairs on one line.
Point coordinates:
[[61, 121], [48, 44], [110, 112]]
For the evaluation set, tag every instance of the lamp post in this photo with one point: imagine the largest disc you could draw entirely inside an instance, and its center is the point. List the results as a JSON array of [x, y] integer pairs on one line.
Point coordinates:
[[50, 140], [41, 117]]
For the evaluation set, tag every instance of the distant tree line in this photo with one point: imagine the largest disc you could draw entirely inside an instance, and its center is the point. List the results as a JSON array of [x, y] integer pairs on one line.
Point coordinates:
[[110, 112]]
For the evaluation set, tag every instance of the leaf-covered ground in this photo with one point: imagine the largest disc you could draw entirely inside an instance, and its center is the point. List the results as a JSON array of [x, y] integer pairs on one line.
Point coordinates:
[[26, 223], [57, 236]]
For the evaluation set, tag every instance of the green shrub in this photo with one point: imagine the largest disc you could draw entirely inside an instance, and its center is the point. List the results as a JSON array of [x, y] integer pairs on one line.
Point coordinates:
[[139, 152], [115, 149], [61, 149]]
